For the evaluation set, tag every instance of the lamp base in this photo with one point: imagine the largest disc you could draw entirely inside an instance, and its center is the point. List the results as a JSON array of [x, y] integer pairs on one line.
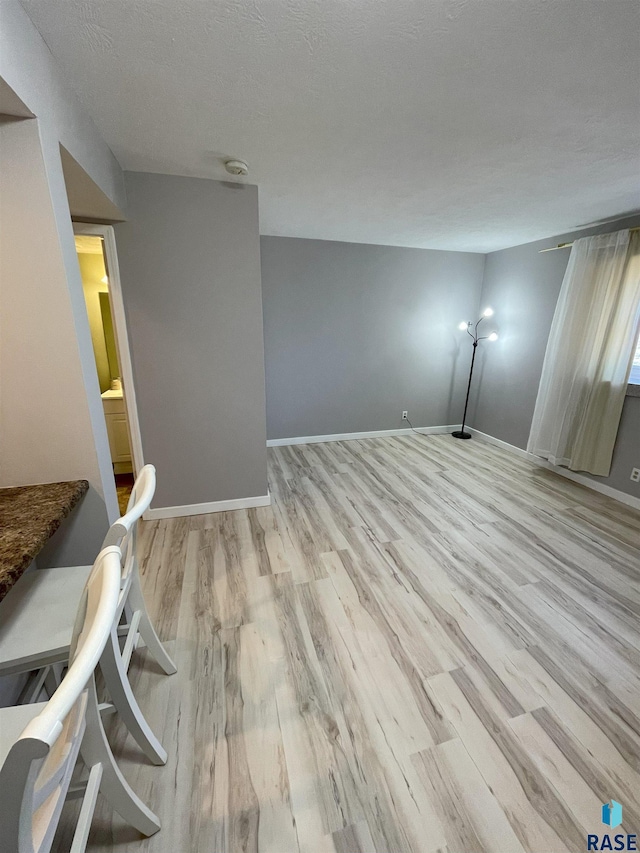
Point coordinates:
[[460, 434]]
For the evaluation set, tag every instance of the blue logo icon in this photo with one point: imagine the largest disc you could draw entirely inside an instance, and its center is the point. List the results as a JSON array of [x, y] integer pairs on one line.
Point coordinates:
[[612, 814]]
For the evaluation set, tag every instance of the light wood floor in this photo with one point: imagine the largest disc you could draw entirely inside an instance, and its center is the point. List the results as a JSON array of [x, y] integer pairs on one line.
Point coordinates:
[[422, 645]]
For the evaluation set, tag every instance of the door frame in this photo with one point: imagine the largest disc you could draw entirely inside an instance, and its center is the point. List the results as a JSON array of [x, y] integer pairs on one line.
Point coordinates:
[[121, 334]]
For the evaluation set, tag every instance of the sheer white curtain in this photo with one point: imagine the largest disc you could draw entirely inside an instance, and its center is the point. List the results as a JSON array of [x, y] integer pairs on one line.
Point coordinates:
[[589, 354]]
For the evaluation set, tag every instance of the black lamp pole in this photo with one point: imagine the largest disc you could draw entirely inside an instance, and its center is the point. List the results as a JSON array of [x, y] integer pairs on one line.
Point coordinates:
[[460, 433]]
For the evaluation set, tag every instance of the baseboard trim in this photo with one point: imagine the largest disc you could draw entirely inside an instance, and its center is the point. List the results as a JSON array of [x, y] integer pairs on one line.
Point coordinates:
[[616, 494], [205, 508], [349, 436], [489, 439]]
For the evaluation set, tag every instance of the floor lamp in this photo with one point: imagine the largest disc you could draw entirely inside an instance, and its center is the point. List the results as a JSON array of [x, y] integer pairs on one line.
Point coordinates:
[[467, 326]]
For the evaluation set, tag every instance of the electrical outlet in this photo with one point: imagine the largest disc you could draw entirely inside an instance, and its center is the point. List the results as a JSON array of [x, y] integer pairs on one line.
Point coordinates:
[[635, 475], [405, 416]]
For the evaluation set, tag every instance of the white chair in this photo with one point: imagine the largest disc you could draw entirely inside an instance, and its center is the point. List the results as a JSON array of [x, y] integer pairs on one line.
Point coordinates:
[[39, 743], [37, 616]]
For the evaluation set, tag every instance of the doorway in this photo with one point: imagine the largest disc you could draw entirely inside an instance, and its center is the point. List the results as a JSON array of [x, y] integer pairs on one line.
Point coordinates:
[[97, 259]]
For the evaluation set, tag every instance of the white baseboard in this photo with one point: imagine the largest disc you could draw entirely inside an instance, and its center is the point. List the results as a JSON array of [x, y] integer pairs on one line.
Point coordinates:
[[348, 436], [594, 485], [503, 444], [202, 509]]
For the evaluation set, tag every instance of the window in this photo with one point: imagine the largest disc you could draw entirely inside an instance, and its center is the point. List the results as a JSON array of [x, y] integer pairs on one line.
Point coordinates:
[[634, 376]]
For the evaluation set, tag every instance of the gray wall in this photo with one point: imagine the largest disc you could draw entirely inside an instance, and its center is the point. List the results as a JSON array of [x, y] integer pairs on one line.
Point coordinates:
[[189, 259], [523, 285], [356, 333]]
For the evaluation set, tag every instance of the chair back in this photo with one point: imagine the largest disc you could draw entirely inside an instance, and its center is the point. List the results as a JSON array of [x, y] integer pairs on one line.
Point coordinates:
[[36, 774], [124, 531]]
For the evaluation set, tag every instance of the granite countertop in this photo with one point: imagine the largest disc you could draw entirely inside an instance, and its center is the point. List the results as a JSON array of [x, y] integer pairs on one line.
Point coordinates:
[[29, 515]]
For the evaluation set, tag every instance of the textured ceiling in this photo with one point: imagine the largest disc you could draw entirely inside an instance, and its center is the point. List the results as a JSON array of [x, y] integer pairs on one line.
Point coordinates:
[[467, 124]]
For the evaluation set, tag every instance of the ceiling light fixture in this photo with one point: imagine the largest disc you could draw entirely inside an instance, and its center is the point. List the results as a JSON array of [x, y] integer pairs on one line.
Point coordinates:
[[236, 167]]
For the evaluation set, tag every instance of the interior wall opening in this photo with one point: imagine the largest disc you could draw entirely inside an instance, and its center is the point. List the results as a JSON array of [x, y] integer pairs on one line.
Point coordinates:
[[95, 284]]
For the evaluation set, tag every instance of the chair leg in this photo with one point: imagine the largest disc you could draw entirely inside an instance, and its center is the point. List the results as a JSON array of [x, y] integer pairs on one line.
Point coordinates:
[[117, 683], [95, 749], [146, 629], [53, 678], [34, 687]]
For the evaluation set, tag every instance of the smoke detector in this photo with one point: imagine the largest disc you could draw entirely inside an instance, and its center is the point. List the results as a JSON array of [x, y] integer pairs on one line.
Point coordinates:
[[236, 167]]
